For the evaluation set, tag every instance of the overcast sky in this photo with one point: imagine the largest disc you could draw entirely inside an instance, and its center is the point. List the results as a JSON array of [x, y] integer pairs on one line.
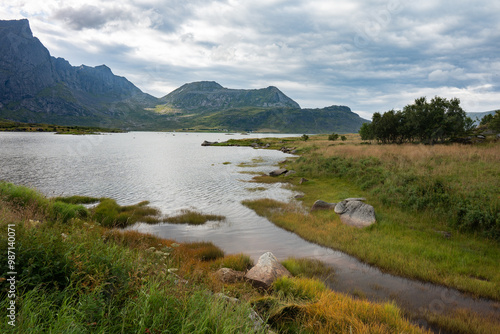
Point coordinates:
[[369, 55]]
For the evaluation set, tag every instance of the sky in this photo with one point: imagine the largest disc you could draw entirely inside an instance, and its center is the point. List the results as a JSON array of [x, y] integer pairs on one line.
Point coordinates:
[[372, 56]]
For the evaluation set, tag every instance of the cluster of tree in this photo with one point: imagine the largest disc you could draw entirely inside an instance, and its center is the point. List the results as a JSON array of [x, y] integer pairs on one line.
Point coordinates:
[[423, 121], [334, 136], [491, 122]]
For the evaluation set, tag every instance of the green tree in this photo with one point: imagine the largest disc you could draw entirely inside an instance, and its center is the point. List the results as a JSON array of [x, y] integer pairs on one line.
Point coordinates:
[[343, 138], [305, 137], [366, 131], [333, 137]]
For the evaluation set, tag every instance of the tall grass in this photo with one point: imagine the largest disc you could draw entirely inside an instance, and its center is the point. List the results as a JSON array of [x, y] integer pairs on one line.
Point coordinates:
[[459, 183], [78, 276], [400, 242]]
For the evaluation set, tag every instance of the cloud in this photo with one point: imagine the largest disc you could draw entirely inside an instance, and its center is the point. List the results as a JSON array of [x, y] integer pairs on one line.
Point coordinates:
[[370, 55], [89, 16]]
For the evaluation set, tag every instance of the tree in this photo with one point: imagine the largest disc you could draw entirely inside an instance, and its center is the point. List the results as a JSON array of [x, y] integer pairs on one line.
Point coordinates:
[[343, 138], [305, 137], [366, 131], [333, 137], [427, 121]]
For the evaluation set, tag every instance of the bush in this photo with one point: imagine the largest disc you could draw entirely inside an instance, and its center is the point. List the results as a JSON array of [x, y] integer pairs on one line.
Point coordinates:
[[333, 137]]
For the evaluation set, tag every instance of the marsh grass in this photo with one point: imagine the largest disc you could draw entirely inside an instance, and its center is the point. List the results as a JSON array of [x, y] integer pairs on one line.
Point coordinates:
[[254, 189], [191, 217], [110, 214], [310, 268], [84, 277], [417, 252], [465, 322], [302, 305]]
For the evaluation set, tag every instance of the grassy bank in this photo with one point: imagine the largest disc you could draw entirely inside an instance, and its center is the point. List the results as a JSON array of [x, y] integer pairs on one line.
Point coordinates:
[[11, 126], [75, 274], [437, 207]]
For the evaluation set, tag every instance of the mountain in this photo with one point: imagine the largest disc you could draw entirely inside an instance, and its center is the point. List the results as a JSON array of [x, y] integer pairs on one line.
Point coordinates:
[[208, 95], [36, 87]]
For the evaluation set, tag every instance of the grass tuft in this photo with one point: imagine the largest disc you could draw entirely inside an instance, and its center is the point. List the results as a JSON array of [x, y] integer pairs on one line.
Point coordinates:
[[192, 218]]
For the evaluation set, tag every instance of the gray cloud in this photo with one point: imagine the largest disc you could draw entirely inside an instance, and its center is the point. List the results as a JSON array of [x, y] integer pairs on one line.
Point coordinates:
[[90, 17], [369, 55]]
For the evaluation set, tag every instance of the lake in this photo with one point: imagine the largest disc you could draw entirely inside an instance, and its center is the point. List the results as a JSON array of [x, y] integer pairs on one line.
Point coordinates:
[[174, 172]]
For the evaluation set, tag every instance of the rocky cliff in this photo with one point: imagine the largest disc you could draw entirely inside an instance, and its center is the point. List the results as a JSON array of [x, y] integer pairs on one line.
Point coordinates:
[[36, 87]]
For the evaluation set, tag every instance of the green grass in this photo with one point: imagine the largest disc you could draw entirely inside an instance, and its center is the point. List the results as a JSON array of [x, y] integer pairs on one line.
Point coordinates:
[[465, 263], [419, 194], [310, 268], [109, 214], [81, 276], [191, 217]]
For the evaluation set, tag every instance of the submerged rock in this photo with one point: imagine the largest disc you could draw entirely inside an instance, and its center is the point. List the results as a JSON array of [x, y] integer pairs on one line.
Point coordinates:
[[266, 271], [353, 211], [278, 172], [322, 205], [208, 143]]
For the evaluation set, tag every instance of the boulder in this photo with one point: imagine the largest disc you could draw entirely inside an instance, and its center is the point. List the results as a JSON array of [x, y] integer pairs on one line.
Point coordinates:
[[208, 143], [266, 271], [353, 211], [227, 275], [303, 180], [322, 205], [278, 172]]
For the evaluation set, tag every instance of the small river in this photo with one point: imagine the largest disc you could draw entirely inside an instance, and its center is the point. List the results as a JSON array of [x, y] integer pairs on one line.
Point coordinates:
[[174, 172]]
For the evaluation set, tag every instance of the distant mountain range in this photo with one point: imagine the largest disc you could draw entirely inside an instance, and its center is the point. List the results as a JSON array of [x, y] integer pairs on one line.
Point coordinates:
[[36, 87]]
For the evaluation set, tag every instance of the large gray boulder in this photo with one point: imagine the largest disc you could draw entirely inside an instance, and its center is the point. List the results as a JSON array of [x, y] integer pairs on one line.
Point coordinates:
[[278, 172], [353, 211], [266, 271]]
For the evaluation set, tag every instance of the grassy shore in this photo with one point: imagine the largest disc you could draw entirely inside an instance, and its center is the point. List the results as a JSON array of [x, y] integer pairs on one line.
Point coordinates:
[[437, 207], [75, 274], [11, 126]]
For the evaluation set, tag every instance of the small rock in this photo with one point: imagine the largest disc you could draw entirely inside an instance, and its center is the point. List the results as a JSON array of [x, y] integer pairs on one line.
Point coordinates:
[[208, 143], [481, 137], [303, 180], [278, 172], [355, 199], [227, 275], [266, 271], [322, 205], [298, 196], [290, 172]]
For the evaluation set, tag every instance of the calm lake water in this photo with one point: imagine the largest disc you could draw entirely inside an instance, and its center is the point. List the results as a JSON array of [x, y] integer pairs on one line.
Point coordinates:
[[174, 172]]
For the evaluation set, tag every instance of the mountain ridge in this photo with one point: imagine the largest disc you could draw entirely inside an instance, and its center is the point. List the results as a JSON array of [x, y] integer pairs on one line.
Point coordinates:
[[211, 95], [36, 87]]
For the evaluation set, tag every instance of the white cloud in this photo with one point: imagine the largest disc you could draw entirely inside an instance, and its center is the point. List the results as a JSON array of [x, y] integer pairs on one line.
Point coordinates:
[[369, 55]]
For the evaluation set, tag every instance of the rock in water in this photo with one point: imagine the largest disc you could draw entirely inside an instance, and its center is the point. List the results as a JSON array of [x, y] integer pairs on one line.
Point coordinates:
[[266, 271], [278, 172], [208, 143], [353, 211], [322, 205]]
